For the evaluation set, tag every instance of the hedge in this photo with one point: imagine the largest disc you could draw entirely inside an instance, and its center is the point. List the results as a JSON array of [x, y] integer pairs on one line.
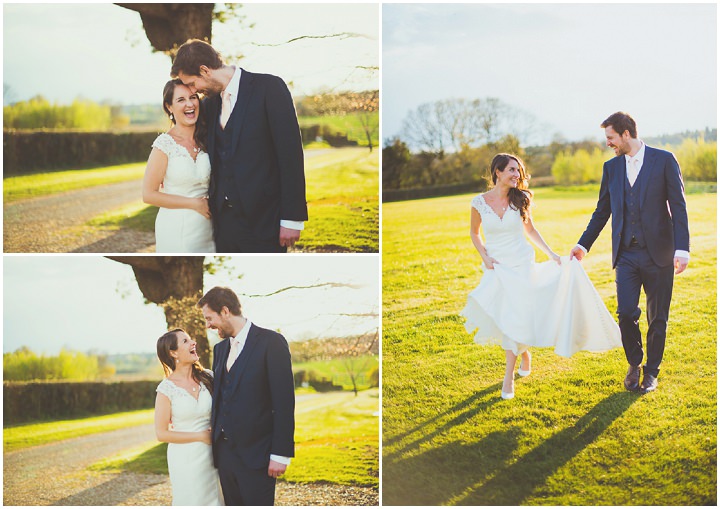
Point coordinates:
[[30, 401], [30, 151]]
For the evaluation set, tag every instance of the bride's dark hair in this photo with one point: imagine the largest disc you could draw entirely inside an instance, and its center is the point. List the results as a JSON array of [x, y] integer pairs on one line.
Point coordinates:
[[519, 196], [200, 126], [169, 342]]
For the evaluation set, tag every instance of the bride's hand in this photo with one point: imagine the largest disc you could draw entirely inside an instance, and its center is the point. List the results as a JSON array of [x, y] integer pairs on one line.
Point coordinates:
[[556, 257], [489, 262], [202, 207], [206, 437]]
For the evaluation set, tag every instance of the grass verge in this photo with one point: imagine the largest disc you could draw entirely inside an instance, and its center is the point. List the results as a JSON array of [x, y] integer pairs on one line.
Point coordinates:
[[343, 205], [43, 184], [572, 435], [28, 435], [336, 436]]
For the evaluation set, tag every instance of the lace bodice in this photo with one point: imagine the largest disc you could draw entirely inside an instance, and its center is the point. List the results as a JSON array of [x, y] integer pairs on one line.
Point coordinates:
[[188, 414], [504, 238], [184, 176]]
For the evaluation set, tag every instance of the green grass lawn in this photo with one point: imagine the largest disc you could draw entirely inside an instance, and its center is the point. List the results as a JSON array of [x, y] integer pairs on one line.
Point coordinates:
[[28, 435], [336, 437], [342, 193], [572, 435], [42, 184], [349, 125], [338, 370]]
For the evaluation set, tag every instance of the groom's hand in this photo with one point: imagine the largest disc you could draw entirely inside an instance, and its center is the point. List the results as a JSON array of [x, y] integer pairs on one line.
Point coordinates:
[[276, 469], [680, 264], [288, 236], [578, 253]]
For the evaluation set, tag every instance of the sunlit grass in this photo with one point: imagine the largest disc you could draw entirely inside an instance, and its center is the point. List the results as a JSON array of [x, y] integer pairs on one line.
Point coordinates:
[[43, 184], [28, 435], [336, 437], [343, 205], [348, 125], [572, 435]]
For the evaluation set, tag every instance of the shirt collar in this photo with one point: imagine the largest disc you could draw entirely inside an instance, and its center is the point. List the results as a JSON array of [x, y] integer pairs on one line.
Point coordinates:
[[639, 157], [242, 335], [234, 85]]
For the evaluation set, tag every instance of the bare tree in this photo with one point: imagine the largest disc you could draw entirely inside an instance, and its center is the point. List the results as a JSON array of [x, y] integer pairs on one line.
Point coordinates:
[[454, 124]]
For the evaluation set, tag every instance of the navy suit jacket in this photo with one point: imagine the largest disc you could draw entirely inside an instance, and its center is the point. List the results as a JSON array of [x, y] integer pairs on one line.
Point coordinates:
[[261, 408], [663, 213], [267, 154]]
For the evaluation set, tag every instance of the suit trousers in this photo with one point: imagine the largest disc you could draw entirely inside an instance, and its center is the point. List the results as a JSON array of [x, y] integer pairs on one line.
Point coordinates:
[[242, 485], [233, 234], [634, 270]]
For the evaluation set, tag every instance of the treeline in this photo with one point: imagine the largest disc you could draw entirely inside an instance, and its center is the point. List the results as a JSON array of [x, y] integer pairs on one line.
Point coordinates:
[[39, 113], [25, 365], [334, 348], [449, 145]]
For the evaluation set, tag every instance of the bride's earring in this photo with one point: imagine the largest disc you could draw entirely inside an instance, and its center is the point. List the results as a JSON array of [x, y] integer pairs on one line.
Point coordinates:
[[171, 117]]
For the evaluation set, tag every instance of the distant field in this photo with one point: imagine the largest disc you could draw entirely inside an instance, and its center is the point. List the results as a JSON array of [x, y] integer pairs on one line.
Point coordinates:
[[348, 125]]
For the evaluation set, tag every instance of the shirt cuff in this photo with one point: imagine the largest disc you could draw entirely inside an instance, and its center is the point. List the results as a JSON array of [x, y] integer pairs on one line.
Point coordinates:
[[280, 459], [293, 225], [581, 247], [679, 253]]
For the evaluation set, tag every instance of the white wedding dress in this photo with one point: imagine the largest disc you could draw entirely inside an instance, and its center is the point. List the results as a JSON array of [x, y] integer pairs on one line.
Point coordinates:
[[193, 477], [520, 303], [183, 230]]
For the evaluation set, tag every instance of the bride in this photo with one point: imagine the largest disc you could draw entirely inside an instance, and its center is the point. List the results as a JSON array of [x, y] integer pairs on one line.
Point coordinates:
[[519, 303], [177, 177], [182, 418]]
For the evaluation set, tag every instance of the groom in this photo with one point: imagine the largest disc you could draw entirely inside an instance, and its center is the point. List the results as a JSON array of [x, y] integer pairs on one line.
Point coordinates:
[[257, 186], [642, 189], [253, 406]]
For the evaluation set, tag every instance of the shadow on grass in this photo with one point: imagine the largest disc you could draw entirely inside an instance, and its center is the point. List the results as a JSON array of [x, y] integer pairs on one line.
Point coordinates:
[[469, 408], [482, 473]]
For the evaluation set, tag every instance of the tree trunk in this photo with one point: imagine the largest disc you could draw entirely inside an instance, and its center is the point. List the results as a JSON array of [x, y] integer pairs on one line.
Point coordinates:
[[176, 284], [167, 26]]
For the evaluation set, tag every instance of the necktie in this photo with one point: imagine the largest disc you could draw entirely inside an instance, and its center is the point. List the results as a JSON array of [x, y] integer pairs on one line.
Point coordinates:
[[226, 108], [234, 343], [633, 171]]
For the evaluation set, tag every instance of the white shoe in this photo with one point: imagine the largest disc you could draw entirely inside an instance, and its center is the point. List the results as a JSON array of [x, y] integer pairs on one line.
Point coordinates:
[[522, 372], [507, 395]]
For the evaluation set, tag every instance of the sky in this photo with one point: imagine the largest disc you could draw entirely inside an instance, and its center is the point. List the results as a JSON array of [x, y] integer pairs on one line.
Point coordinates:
[[100, 51], [569, 65], [84, 303]]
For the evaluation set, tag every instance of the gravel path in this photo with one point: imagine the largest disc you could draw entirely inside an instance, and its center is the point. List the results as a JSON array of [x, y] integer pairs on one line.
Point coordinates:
[[55, 224], [55, 474]]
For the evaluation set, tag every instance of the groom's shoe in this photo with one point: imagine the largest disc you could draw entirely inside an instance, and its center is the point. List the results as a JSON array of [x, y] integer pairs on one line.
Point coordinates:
[[632, 379], [648, 384]]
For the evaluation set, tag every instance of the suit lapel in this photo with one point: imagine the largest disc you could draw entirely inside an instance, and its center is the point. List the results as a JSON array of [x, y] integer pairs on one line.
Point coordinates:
[[238, 368], [620, 177], [646, 171], [244, 92], [223, 350], [213, 110]]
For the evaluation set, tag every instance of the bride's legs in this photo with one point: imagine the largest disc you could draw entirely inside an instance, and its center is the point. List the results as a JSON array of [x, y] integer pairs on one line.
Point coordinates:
[[509, 381], [525, 366]]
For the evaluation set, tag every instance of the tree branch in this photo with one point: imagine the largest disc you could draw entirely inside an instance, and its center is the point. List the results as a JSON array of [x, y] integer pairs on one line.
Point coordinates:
[[341, 35], [319, 285]]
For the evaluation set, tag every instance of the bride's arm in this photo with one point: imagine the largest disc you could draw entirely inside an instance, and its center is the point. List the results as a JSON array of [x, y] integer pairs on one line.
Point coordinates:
[[475, 222], [154, 176], [535, 236], [163, 414]]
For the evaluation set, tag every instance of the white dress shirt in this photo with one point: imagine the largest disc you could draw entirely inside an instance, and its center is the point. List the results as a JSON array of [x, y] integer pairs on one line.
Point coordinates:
[[241, 338], [234, 88]]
